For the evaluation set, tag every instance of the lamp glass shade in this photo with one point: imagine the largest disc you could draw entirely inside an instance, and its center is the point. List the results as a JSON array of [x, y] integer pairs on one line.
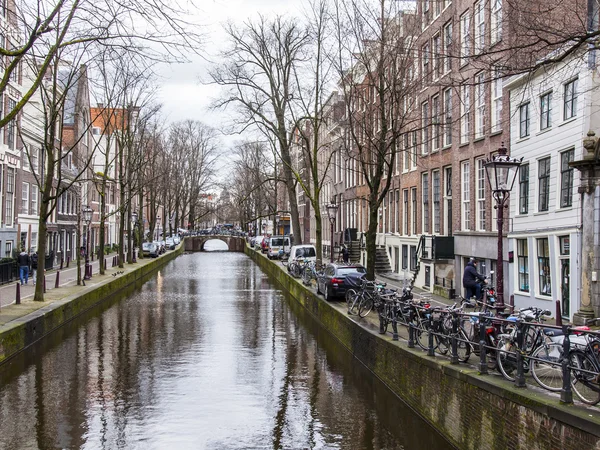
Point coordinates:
[[332, 210], [87, 213], [501, 174]]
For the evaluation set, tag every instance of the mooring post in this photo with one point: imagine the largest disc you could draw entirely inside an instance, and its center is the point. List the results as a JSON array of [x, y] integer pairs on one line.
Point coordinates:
[[44, 283], [57, 280], [18, 295], [483, 367]]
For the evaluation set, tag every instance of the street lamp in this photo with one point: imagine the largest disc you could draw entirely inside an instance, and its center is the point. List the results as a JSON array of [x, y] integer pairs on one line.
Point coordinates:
[[87, 214], [277, 219], [501, 172], [332, 209], [157, 226], [134, 222]]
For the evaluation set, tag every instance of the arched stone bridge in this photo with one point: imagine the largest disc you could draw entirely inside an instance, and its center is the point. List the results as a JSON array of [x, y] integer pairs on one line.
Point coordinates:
[[196, 243]]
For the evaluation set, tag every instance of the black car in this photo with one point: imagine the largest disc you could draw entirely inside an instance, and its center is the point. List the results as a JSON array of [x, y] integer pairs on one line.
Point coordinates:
[[332, 282]]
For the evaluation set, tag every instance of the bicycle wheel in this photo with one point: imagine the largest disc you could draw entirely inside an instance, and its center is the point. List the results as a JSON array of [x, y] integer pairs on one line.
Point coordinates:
[[545, 366], [506, 359], [306, 275], [384, 318], [350, 298], [422, 335], [463, 348], [584, 384], [365, 306]]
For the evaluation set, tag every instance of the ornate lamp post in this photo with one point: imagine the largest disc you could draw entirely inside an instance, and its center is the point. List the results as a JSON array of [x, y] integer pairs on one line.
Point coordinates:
[[157, 226], [332, 210], [277, 219], [134, 222], [501, 172], [87, 214]]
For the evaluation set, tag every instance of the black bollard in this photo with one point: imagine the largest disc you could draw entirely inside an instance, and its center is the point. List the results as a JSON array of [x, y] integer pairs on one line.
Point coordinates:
[[566, 393], [411, 336], [520, 378], [558, 314], [44, 284], [105, 264], [394, 325], [430, 351], [56, 282], [454, 354], [61, 262], [68, 261], [483, 367], [18, 295]]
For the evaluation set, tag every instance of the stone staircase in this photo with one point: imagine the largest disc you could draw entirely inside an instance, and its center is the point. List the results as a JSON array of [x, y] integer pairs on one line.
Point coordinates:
[[382, 261]]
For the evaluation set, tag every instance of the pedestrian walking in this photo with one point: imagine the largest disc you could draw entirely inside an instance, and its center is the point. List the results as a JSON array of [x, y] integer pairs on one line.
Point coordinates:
[[345, 254], [34, 265], [23, 261]]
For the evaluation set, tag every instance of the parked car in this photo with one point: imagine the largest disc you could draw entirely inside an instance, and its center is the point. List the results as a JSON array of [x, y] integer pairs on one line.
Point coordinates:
[[257, 242], [277, 243], [303, 252], [331, 282], [264, 245], [150, 249], [170, 243]]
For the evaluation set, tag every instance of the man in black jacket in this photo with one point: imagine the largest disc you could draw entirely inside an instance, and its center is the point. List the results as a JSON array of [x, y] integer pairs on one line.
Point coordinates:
[[23, 261], [472, 280]]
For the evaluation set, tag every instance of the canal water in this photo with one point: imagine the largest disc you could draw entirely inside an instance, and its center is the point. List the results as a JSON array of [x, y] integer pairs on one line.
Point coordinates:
[[206, 355]]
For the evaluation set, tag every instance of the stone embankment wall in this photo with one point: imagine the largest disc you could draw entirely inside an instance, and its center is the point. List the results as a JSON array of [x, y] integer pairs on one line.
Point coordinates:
[[471, 411], [20, 333]]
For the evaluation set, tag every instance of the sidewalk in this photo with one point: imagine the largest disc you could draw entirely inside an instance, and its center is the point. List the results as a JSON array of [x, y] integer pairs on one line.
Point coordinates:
[[396, 281], [10, 311]]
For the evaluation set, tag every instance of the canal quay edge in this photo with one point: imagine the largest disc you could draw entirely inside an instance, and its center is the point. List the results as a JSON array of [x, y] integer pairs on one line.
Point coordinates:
[[24, 331], [470, 410]]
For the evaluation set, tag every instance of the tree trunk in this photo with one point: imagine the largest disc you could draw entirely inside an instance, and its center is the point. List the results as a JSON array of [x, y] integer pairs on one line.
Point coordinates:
[[102, 236], [371, 239]]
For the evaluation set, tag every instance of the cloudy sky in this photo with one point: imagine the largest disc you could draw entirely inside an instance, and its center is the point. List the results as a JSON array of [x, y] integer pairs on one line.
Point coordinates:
[[183, 93]]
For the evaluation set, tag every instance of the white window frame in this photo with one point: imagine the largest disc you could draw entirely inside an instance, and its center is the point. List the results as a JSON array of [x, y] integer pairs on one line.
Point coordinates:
[[496, 22], [465, 215], [435, 123], [465, 117], [496, 113], [34, 199], [448, 117], [479, 16], [465, 37], [25, 198], [479, 105], [448, 47], [480, 205]]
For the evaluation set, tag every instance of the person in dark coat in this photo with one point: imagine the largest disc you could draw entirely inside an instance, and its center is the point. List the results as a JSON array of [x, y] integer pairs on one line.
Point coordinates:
[[472, 280], [23, 262], [345, 254], [34, 263]]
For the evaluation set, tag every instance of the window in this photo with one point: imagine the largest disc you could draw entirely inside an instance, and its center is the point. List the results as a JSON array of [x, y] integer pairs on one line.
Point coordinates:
[[414, 150], [465, 37], [570, 100], [10, 189], [425, 131], [543, 184], [566, 179], [405, 229], [413, 257], [406, 165], [496, 115], [524, 120], [546, 111], [8, 249], [448, 117], [397, 212], [34, 199], [11, 137], [404, 257], [480, 195], [425, 58], [448, 47], [435, 117], [466, 196], [425, 195], [496, 22], [479, 105], [25, 199], [413, 197], [524, 189], [523, 263], [543, 255], [436, 201], [465, 123], [437, 57], [448, 201], [479, 16]]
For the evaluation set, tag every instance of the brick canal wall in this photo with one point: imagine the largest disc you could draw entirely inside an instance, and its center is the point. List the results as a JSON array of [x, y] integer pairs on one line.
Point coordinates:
[[21, 333], [471, 411]]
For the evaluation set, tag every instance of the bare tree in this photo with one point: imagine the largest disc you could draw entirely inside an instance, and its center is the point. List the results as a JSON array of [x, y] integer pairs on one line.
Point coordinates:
[[258, 73]]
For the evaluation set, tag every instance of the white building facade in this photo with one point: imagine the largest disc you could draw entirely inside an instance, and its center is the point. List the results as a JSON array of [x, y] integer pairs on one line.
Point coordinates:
[[551, 112]]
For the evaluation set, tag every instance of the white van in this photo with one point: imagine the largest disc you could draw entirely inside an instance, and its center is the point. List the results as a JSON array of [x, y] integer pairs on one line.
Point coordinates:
[[302, 252], [277, 243]]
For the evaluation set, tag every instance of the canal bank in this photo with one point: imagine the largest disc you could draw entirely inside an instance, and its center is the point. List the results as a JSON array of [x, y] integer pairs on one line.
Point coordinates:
[[33, 321], [471, 411]]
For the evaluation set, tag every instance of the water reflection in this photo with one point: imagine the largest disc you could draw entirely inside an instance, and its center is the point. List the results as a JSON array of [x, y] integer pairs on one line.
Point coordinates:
[[207, 355]]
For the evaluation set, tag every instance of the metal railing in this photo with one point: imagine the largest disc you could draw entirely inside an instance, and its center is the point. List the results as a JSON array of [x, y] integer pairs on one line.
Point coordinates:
[[8, 271]]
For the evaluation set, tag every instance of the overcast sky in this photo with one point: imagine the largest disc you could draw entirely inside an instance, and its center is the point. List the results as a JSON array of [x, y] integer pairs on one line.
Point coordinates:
[[182, 92]]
